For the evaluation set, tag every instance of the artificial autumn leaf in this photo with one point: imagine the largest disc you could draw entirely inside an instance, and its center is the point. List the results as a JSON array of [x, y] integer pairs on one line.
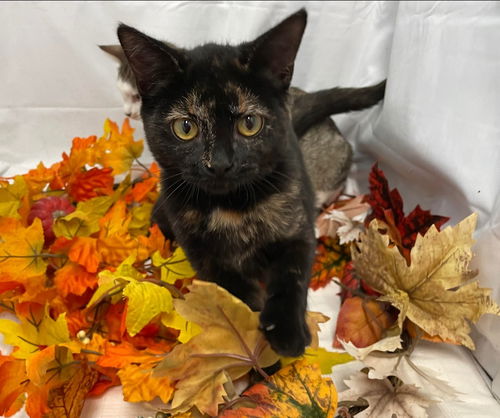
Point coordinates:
[[187, 329], [13, 373], [362, 321], [83, 251], [124, 354], [140, 191], [341, 219], [227, 348], [323, 358], [382, 364], [84, 221], [38, 178], [118, 150], [21, 250], [67, 401], [74, 279], [313, 319], [91, 183], [48, 209], [140, 219], [140, 385], [35, 335], [435, 291], [145, 301], [331, 257], [386, 398], [117, 247], [174, 267], [115, 281], [387, 206], [296, 391], [11, 196], [390, 343]]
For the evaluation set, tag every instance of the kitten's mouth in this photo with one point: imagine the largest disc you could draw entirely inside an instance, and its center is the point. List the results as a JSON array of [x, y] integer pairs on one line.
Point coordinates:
[[218, 186]]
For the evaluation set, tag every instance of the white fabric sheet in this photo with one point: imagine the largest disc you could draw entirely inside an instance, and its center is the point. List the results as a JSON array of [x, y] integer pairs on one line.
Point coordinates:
[[436, 135]]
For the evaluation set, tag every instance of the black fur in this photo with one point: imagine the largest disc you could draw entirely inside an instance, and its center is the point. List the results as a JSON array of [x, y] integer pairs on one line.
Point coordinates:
[[241, 208]]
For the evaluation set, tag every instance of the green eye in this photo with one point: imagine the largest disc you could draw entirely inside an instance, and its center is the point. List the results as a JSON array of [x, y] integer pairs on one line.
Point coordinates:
[[249, 125], [185, 129]]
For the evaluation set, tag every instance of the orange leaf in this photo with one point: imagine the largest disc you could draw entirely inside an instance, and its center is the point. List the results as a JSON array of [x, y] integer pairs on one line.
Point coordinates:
[[139, 385], [85, 185], [123, 354], [156, 242], [67, 400], [13, 375], [107, 379], [362, 321], [38, 178], [115, 221], [117, 247], [21, 249], [331, 258], [84, 252], [73, 278], [141, 190]]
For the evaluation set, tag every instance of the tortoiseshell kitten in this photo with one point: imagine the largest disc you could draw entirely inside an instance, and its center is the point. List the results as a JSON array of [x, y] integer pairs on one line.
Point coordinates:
[[326, 153], [235, 193]]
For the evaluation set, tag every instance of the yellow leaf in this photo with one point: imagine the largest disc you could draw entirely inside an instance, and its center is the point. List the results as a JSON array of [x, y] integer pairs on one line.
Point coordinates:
[[145, 301], [115, 281], [84, 221], [187, 329], [11, 196], [21, 250], [435, 291], [174, 267], [31, 337], [220, 352], [296, 391], [116, 221], [141, 219], [323, 358], [139, 384]]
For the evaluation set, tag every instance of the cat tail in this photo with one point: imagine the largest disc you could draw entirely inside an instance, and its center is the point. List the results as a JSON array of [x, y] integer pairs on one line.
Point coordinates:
[[310, 108]]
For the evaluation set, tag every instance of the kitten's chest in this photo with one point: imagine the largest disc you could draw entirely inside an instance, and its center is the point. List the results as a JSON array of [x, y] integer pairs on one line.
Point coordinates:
[[238, 234]]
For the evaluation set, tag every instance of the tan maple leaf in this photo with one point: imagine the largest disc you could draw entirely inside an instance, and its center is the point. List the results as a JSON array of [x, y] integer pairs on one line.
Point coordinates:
[[385, 397], [227, 348], [435, 291]]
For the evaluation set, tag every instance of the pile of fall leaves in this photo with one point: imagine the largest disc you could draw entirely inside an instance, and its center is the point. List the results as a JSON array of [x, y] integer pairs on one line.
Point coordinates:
[[95, 297]]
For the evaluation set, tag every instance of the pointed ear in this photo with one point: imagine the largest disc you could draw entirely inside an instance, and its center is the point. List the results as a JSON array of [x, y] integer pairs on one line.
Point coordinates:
[[153, 62], [115, 51], [275, 50]]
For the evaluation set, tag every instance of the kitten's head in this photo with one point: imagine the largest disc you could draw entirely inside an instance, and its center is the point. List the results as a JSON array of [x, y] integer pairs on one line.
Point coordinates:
[[126, 82], [216, 115]]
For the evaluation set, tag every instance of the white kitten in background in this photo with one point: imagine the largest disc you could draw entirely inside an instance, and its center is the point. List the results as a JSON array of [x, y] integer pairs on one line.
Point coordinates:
[[125, 82]]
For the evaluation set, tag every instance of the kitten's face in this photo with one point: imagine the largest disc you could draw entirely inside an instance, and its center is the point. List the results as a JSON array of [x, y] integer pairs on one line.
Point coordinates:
[[131, 99], [215, 116]]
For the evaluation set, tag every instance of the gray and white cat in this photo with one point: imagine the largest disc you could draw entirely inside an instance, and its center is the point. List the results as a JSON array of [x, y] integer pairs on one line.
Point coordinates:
[[327, 155]]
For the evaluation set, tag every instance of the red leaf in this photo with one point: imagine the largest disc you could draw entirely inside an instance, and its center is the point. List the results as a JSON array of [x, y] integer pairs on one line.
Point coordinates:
[[387, 206], [91, 183]]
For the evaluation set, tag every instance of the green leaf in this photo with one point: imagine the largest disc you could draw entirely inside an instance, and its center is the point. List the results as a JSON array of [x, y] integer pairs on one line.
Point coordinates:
[[145, 301]]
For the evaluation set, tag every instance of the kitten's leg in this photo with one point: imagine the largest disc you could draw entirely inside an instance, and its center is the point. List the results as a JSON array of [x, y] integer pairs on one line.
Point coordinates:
[[158, 216], [246, 289], [283, 317]]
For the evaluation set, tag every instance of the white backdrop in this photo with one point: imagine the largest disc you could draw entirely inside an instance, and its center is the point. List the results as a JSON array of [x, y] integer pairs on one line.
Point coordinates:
[[436, 136]]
